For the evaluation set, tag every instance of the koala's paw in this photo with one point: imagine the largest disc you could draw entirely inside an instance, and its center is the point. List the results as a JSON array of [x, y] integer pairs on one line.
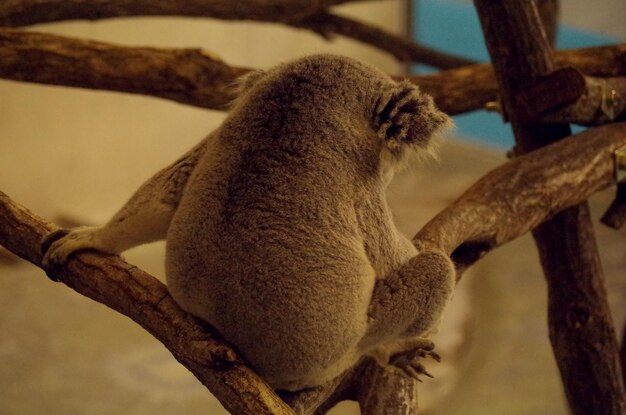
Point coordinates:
[[405, 115], [57, 247], [410, 362]]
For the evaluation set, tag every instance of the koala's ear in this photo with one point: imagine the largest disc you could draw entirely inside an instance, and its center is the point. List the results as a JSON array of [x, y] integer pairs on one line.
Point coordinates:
[[405, 115]]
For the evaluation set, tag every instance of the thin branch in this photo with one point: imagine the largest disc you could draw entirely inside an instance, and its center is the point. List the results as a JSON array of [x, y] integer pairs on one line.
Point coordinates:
[[201, 79], [400, 47]]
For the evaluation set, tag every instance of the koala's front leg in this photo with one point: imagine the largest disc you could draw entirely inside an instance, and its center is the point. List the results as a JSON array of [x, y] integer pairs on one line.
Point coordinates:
[[410, 301], [144, 218]]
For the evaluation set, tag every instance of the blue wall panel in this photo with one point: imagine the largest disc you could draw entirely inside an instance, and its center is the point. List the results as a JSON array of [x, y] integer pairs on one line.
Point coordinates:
[[455, 28]]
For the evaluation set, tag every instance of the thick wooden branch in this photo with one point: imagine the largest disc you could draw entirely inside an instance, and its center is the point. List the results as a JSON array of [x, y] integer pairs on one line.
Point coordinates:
[[516, 197], [132, 292], [469, 88], [183, 75], [201, 79], [580, 326], [400, 47]]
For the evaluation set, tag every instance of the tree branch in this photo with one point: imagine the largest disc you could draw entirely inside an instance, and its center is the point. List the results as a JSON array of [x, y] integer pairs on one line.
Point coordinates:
[[484, 217], [189, 76], [302, 14], [15, 13], [516, 197], [197, 346], [198, 78], [469, 88]]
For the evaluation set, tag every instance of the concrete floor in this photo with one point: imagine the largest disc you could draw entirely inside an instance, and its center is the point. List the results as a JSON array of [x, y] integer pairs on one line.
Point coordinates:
[[65, 354]]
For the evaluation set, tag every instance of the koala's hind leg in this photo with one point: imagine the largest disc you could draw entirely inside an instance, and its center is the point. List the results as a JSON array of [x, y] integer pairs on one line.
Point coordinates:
[[409, 301], [144, 218]]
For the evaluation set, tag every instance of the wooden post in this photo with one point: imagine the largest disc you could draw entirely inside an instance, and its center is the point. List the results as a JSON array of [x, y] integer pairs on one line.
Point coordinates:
[[581, 330]]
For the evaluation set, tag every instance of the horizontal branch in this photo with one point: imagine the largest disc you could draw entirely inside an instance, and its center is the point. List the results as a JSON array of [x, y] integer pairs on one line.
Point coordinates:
[[198, 78], [300, 13], [188, 76], [15, 13], [134, 293], [516, 197], [469, 88]]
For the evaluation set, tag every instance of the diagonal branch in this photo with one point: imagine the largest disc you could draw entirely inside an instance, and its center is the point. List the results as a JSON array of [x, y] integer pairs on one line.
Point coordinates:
[[199, 78], [136, 294], [519, 195]]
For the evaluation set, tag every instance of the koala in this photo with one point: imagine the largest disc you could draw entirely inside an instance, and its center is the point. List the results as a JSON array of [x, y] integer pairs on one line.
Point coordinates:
[[277, 227]]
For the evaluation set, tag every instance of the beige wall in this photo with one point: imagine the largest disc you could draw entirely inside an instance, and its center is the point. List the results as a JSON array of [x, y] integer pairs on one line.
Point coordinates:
[[82, 153]]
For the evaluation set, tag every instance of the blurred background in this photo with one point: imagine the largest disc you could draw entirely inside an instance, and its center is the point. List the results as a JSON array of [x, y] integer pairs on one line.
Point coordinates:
[[75, 156]]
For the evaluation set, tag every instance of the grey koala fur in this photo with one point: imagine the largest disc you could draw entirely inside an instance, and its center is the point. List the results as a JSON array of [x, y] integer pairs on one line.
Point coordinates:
[[277, 226]]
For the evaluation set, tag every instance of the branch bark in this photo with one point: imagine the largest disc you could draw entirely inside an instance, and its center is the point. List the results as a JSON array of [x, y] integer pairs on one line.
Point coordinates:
[[184, 75], [198, 78], [518, 196], [15, 13], [469, 88]]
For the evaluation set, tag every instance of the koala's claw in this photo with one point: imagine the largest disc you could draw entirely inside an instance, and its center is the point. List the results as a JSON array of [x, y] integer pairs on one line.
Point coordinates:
[[46, 243], [50, 238], [409, 362], [57, 247]]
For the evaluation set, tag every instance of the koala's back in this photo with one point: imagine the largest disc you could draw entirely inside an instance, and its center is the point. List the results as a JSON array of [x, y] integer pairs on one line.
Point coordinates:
[[283, 227], [265, 245]]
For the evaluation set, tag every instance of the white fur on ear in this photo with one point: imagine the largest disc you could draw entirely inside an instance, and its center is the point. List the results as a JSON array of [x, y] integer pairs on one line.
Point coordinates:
[[405, 115]]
